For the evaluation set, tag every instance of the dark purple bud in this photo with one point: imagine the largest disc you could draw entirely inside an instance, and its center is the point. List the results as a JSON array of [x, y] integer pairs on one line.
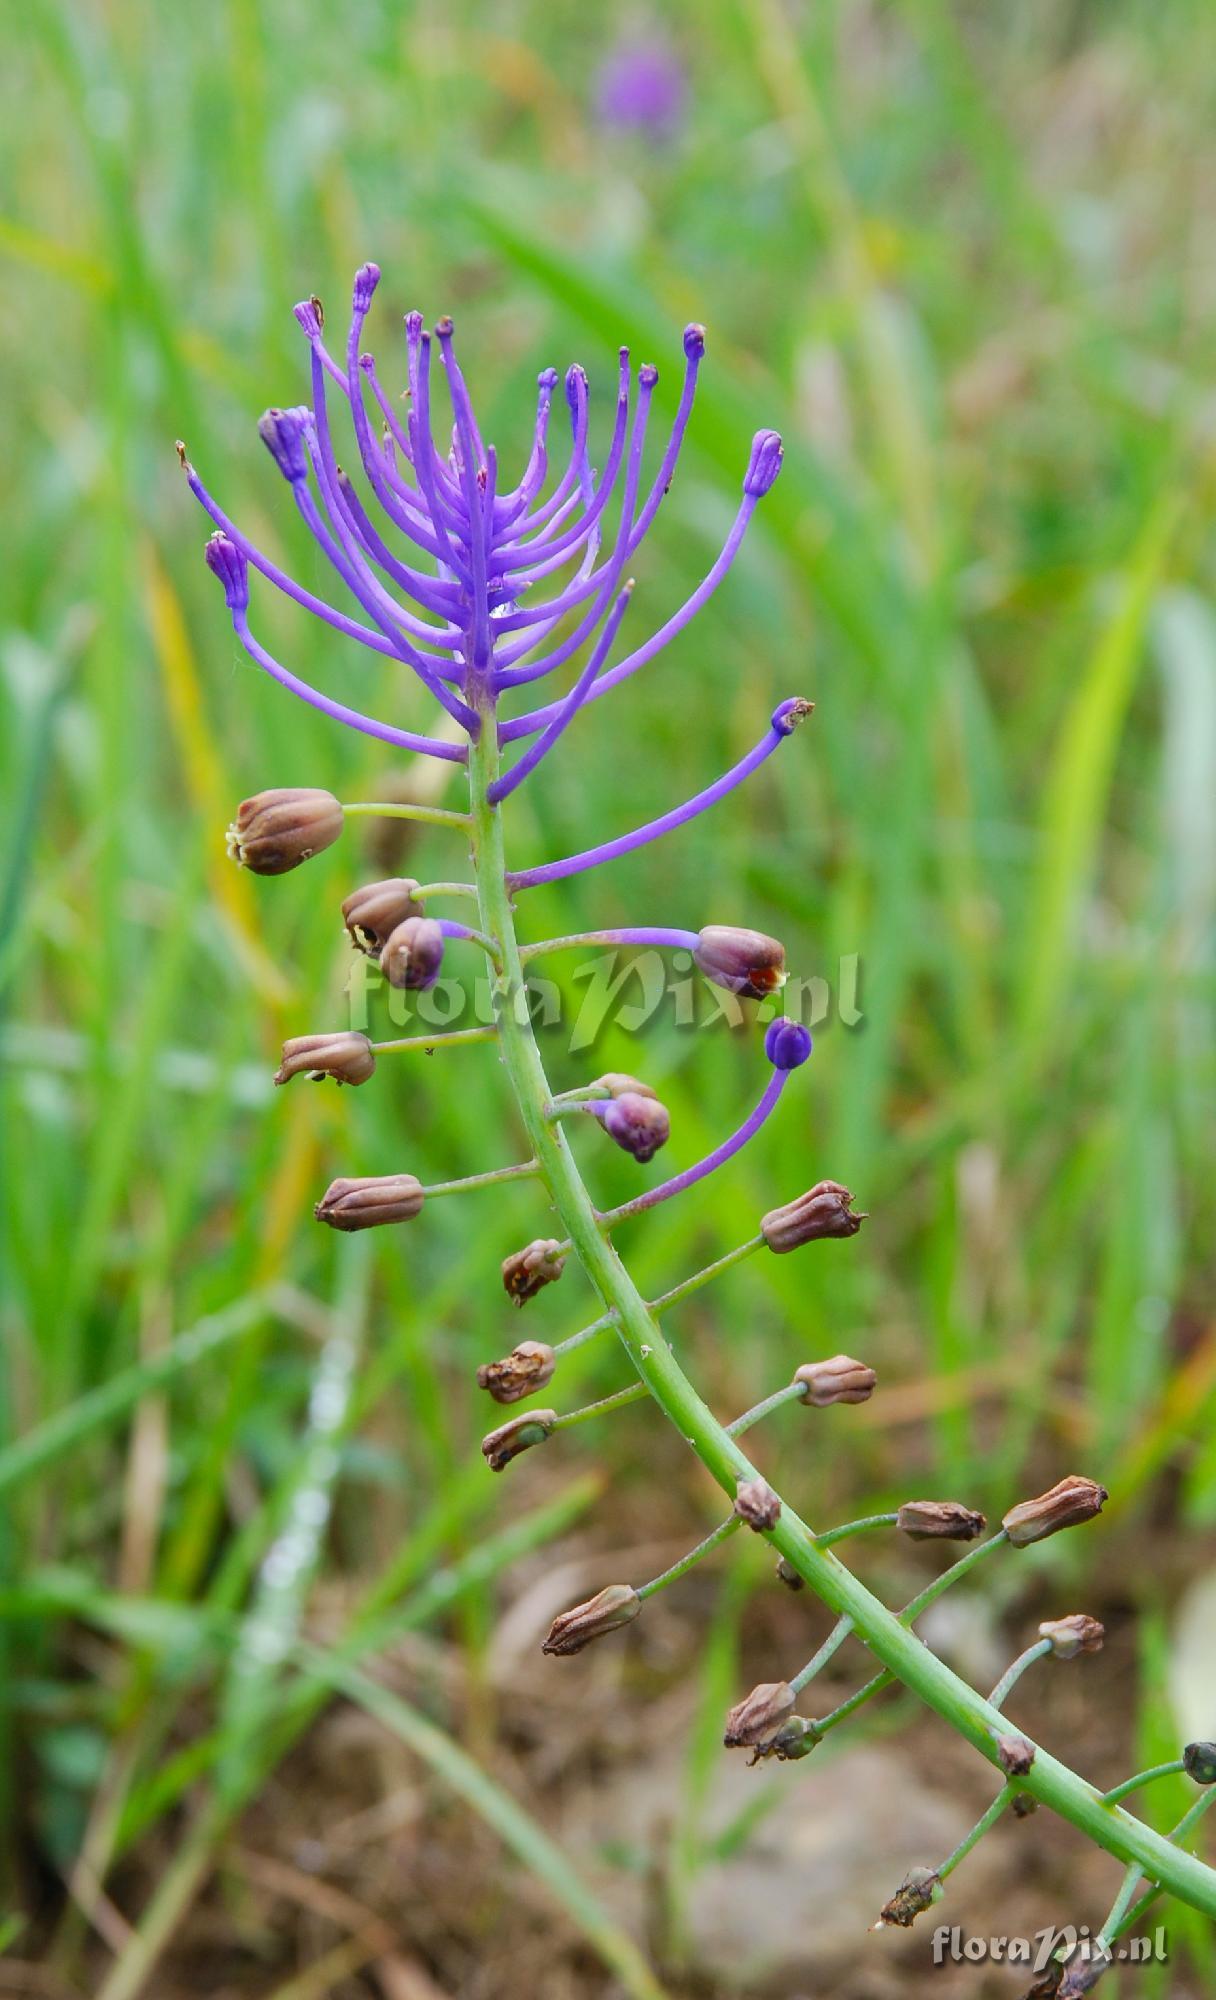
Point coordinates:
[[764, 464], [759, 1715], [526, 1369], [694, 341], [744, 962], [413, 954], [789, 713], [347, 1058], [526, 1272], [517, 1435], [787, 1044], [824, 1210], [756, 1504], [371, 914], [840, 1380], [1016, 1755], [282, 433], [1078, 1633], [310, 315], [226, 561], [939, 1520], [274, 832], [919, 1890], [1074, 1500], [617, 1605], [1199, 1762], [367, 277], [638, 1125], [365, 1204]]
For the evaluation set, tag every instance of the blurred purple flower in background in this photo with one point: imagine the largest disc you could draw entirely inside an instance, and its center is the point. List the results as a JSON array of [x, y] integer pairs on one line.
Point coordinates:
[[642, 87]]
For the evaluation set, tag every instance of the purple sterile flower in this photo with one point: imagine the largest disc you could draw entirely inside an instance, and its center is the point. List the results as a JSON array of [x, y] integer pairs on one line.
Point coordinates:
[[642, 88], [787, 1044]]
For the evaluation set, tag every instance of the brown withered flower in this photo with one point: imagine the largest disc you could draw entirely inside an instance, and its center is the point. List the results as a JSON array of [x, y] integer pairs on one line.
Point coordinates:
[[274, 832], [757, 1504], [1078, 1633], [919, 1890], [744, 962], [945, 1520], [526, 1272], [526, 1369], [613, 1607], [371, 914], [1072, 1501], [346, 1057], [365, 1204], [517, 1435], [840, 1380], [1016, 1755], [759, 1715], [824, 1210]]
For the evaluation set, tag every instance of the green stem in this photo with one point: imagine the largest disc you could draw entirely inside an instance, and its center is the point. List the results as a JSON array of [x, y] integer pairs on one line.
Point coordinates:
[[888, 1637], [1130, 1785], [1003, 1798], [818, 1661], [793, 1392], [432, 815], [1012, 1675], [666, 1299], [526, 1170], [426, 889], [1121, 1915], [722, 1533], [444, 1040], [633, 1394], [833, 1535]]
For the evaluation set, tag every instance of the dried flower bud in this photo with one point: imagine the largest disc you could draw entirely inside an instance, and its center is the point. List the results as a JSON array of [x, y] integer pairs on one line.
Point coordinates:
[[517, 1435], [1025, 1804], [757, 1504], [1016, 1755], [1083, 1969], [413, 954], [1199, 1762], [364, 1204], [347, 1058], [919, 1890], [618, 1605], [945, 1520], [526, 1369], [617, 1084], [371, 914], [759, 1715], [824, 1210], [526, 1272], [788, 1575], [274, 831], [787, 1044], [638, 1125], [1074, 1500], [840, 1380], [795, 1739], [744, 962], [1078, 1633]]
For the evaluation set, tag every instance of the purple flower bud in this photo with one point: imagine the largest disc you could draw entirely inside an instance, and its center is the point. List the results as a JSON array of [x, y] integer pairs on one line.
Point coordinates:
[[764, 464], [371, 914], [694, 341], [526, 1272], [526, 1369], [226, 561], [944, 1520], [919, 1890], [282, 433], [347, 1058], [757, 1504], [413, 954], [824, 1210], [840, 1380], [547, 379], [759, 1715], [642, 88], [1072, 1501], [576, 385], [1199, 1762], [1016, 1755], [310, 315], [365, 1204], [274, 832], [517, 1435], [638, 1125], [367, 277], [787, 1044], [617, 1605], [1078, 1633], [744, 962]]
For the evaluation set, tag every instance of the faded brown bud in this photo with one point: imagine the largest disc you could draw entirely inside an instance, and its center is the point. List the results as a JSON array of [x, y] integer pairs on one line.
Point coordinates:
[[526, 1272], [788, 1575], [1199, 1762], [1016, 1755], [744, 962], [919, 1890], [945, 1520], [1078, 1633], [1074, 1500], [274, 831], [617, 1084], [364, 1204], [824, 1210], [526, 1369], [347, 1058], [760, 1714], [615, 1606], [371, 914], [413, 954], [757, 1504], [840, 1380], [517, 1435]]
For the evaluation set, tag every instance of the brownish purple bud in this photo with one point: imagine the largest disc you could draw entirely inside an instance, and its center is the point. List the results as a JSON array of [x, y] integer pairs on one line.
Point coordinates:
[[1015, 1755], [618, 1605], [526, 1272], [347, 1058], [824, 1210], [413, 954], [945, 1520], [371, 914], [758, 1717], [795, 1739], [919, 1890], [274, 831], [638, 1125], [840, 1380], [365, 1204], [517, 1435], [1078, 1633], [744, 962], [1074, 1500], [1199, 1762], [788, 1575], [616, 1084], [757, 1504], [526, 1369]]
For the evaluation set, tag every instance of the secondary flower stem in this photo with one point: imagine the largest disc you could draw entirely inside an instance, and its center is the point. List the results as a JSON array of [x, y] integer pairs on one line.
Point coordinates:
[[1003, 1799], [818, 1661], [833, 1535], [1121, 1914], [670, 939], [432, 815], [1012, 1675], [617, 1401], [720, 1534], [444, 1040], [1130, 1785], [426, 889], [666, 1299], [793, 1392], [526, 1170]]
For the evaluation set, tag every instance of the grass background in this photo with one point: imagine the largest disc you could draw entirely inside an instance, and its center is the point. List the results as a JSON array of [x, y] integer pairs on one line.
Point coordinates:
[[963, 259]]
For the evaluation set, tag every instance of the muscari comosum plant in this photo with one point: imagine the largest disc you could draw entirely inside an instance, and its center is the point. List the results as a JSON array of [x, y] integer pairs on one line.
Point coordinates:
[[446, 566]]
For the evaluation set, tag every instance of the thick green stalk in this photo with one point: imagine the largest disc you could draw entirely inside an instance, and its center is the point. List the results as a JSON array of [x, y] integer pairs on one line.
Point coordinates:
[[892, 1643]]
